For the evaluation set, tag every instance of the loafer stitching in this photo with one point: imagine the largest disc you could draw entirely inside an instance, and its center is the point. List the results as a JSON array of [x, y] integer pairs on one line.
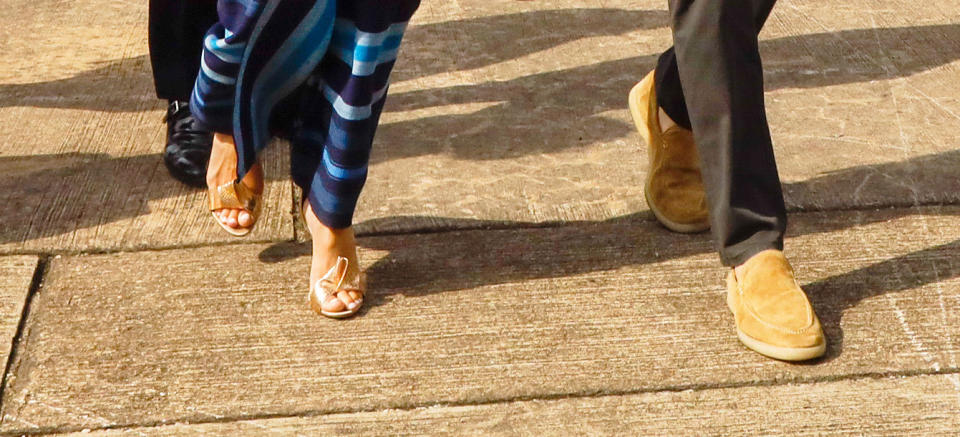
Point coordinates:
[[753, 313]]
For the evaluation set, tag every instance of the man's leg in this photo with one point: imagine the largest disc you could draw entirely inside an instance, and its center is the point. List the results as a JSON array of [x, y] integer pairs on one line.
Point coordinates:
[[674, 188], [176, 35], [712, 83], [176, 32], [669, 89], [719, 67]]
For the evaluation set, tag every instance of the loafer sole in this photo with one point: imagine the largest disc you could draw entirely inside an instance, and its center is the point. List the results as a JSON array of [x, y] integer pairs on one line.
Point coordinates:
[[779, 352], [682, 228], [641, 114]]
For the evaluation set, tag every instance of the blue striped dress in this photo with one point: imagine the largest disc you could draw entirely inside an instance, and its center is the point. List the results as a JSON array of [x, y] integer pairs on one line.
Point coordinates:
[[315, 71]]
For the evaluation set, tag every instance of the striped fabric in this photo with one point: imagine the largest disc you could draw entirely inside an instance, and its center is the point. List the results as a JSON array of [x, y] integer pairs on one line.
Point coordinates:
[[316, 70]]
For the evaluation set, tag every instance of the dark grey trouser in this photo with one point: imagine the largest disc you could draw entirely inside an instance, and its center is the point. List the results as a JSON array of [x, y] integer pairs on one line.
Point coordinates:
[[711, 81], [176, 35]]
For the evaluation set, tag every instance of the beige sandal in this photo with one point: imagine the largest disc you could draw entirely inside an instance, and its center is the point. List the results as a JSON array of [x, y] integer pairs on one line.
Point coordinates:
[[334, 282], [235, 195]]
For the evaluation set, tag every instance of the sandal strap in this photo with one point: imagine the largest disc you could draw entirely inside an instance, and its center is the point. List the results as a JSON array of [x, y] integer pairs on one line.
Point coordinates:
[[233, 195], [334, 281]]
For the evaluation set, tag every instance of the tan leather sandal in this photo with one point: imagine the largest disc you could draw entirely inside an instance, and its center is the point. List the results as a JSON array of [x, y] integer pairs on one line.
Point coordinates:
[[335, 281], [235, 195]]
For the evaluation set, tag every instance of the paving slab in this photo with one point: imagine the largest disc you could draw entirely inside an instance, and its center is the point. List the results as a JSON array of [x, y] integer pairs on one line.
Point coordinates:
[[919, 405], [81, 134], [16, 276], [495, 114], [511, 112], [215, 333]]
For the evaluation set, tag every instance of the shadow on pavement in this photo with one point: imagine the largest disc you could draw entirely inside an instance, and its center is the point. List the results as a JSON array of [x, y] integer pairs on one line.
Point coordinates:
[[126, 84], [540, 113], [924, 179], [472, 43], [466, 260], [834, 295], [563, 109], [55, 194], [119, 85], [48, 195]]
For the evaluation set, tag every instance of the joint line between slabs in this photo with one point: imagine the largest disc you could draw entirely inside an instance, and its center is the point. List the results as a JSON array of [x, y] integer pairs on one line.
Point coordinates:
[[547, 397], [492, 226], [39, 273]]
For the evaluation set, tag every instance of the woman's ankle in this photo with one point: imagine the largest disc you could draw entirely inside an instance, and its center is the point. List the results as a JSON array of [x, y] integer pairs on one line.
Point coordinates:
[[222, 156], [330, 239]]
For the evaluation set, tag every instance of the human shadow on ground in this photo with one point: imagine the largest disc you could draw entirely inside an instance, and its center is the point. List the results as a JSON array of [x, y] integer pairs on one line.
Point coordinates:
[[540, 113], [126, 85], [423, 262], [472, 43], [48, 195], [834, 295], [119, 85], [920, 180], [563, 109]]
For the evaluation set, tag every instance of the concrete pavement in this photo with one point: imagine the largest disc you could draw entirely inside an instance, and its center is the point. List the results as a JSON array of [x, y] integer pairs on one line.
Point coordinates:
[[519, 284]]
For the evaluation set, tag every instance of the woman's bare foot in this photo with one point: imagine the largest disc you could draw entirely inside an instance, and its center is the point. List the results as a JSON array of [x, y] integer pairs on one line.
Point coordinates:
[[328, 245], [222, 169]]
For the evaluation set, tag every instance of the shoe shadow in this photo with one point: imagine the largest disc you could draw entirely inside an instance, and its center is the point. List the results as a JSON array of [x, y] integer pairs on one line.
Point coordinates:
[[834, 295], [462, 260]]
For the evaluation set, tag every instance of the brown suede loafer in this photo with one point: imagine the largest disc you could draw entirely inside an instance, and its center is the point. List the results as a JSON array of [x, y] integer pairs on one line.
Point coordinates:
[[772, 313], [674, 188]]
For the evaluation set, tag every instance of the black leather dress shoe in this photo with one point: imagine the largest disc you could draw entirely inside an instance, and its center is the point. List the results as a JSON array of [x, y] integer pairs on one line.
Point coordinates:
[[188, 146]]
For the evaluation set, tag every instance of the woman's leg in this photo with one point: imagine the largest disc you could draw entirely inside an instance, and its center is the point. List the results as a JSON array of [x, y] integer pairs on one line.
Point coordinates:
[[212, 104], [254, 58], [221, 170], [340, 112]]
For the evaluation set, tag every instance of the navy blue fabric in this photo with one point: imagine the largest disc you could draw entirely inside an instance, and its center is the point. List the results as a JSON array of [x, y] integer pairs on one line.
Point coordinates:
[[317, 71]]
